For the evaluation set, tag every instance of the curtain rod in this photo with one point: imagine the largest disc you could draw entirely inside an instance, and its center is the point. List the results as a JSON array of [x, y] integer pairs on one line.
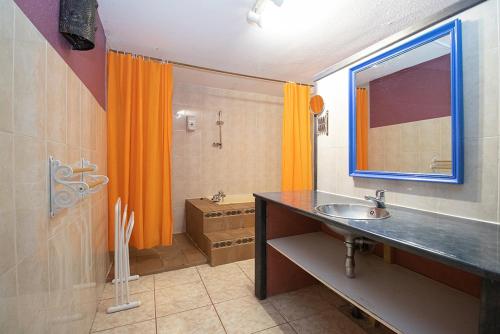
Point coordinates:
[[207, 69]]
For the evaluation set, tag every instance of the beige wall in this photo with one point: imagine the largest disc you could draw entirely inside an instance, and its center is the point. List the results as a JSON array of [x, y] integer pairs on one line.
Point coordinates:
[[250, 159], [478, 196], [46, 263], [410, 147]]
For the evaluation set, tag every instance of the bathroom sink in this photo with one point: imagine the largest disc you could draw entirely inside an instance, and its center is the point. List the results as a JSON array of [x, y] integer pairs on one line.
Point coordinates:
[[352, 241], [352, 211]]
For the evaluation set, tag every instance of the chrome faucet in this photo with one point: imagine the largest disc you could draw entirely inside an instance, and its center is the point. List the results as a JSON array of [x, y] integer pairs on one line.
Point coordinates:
[[219, 196], [379, 199]]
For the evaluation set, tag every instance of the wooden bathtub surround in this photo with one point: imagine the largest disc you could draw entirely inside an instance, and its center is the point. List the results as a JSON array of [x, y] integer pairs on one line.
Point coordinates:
[[276, 273], [224, 232]]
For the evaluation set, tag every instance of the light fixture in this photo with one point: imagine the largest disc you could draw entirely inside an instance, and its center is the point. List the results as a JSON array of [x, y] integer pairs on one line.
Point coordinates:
[[255, 14], [254, 17], [180, 113]]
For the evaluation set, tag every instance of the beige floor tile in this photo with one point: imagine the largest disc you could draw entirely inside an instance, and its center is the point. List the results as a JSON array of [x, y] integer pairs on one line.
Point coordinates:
[[222, 288], [180, 298], [223, 271], [301, 303], [225, 282], [183, 306], [144, 312], [145, 327], [202, 320], [281, 329], [248, 315], [143, 284], [176, 277], [248, 267], [331, 321]]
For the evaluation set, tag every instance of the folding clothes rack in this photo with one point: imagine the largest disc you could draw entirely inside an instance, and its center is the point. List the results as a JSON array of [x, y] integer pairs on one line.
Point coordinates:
[[123, 231]]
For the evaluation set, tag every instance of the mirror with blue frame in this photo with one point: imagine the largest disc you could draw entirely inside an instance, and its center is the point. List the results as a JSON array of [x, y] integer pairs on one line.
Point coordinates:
[[406, 118]]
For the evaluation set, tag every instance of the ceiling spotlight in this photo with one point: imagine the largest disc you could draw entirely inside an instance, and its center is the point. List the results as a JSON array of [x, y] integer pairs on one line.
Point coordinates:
[[254, 17], [255, 14]]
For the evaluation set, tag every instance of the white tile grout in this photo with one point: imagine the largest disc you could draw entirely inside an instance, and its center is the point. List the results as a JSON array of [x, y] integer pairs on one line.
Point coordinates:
[[238, 264], [212, 304], [140, 322], [13, 146], [154, 301], [211, 301]]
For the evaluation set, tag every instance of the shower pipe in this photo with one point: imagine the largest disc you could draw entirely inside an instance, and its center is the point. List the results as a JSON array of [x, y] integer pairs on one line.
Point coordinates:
[[219, 123]]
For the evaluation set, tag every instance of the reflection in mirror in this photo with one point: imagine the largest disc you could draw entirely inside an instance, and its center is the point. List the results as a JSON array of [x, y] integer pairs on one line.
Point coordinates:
[[403, 111], [316, 104]]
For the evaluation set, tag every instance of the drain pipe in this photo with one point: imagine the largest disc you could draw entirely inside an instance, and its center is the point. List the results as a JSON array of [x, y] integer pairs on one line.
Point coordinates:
[[349, 257], [352, 244]]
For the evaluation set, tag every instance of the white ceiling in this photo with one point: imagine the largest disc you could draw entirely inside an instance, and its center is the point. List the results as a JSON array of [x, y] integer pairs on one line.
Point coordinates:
[[297, 40]]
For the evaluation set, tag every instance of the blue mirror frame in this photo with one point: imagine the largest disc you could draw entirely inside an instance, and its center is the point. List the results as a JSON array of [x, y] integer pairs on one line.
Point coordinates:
[[454, 30]]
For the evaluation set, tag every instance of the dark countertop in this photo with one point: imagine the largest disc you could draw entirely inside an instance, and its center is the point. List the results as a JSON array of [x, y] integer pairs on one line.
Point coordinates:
[[468, 244]]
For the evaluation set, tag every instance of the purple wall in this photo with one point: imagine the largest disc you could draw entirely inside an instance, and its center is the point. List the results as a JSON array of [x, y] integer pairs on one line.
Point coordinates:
[[413, 94], [89, 66]]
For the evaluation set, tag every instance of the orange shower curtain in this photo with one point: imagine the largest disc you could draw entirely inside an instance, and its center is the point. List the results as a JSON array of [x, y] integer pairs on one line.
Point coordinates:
[[296, 152], [361, 129], [139, 146]]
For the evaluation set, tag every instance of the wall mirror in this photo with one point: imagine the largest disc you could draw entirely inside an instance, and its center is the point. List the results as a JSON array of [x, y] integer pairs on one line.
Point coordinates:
[[406, 110]]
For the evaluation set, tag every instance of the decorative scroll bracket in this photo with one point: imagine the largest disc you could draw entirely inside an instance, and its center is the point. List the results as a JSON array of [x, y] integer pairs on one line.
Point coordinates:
[[68, 185]]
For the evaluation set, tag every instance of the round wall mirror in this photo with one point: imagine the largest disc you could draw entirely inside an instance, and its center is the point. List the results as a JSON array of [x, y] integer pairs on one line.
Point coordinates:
[[316, 104]]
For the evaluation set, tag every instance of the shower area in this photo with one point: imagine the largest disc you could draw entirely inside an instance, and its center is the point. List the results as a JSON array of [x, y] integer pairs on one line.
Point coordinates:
[[226, 137]]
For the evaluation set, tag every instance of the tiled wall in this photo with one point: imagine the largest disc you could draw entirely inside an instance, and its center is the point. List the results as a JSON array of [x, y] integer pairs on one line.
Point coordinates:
[[478, 197], [250, 159], [410, 147], [89, 66], [51, 270]]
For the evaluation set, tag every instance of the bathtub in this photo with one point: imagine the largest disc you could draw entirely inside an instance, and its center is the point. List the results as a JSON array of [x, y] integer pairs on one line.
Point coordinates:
[[234, 199]]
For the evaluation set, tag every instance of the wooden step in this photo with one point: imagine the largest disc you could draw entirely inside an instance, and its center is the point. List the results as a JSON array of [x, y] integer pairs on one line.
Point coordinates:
[[223, 223], [230, 245]]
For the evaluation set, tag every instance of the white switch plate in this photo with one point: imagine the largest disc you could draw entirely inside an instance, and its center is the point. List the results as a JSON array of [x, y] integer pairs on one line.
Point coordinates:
[[191, 123]]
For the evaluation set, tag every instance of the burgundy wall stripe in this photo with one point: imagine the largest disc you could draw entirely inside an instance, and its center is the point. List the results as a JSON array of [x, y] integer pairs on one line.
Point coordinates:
[[89, 66]]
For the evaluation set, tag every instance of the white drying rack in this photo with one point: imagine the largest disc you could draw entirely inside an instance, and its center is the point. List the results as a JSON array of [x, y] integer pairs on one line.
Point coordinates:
[[123, 231]]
